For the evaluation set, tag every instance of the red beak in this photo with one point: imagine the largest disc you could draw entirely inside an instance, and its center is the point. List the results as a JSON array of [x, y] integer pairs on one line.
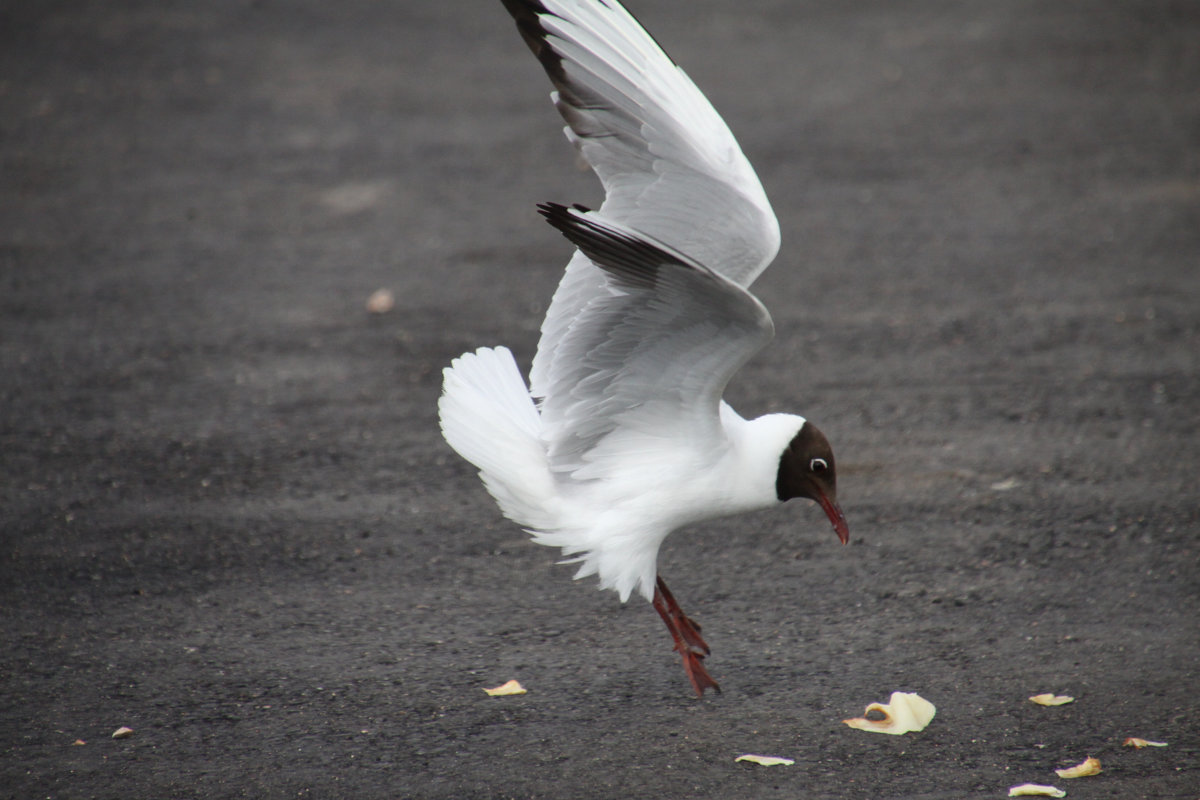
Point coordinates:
[[834, 512]]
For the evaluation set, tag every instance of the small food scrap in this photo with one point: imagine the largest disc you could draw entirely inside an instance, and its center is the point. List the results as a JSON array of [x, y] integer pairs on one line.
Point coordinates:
[[78, 742], [766, 761], [1089, 766], [1134, 741], [904, 712], [1035, 790], [381, 301], [512, 687], [1052, 699], [122, 733]]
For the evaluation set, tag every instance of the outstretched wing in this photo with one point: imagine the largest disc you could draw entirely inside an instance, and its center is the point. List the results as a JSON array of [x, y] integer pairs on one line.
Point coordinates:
[[670, 167], [651, 354]]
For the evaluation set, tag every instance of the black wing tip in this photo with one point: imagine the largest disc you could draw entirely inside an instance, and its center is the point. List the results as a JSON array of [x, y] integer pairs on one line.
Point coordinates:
[[632, 260], [594, 235], [527, 14], [557, 211], [570, 222]]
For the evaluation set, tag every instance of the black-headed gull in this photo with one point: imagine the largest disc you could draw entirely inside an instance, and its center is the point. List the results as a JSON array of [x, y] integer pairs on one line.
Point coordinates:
[[622, 436]]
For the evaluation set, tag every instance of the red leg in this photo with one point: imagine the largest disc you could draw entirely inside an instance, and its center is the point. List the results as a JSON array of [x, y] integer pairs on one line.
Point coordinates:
[[687, 638], [688, 629]]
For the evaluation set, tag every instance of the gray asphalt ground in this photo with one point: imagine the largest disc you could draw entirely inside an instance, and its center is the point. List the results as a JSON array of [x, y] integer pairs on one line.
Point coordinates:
[[230, 524]]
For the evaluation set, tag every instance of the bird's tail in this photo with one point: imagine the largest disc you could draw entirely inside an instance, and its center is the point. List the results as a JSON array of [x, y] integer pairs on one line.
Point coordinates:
[[488, 416]]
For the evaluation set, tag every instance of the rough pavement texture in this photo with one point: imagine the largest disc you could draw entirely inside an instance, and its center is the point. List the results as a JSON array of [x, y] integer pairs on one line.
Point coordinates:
[[229, 522]]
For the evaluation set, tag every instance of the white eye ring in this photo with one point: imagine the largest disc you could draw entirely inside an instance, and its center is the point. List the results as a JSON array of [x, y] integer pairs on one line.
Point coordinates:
[[818, 465]]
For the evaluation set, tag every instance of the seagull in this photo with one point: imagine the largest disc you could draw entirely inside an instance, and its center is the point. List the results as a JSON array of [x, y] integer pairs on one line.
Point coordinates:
[[622, 435]]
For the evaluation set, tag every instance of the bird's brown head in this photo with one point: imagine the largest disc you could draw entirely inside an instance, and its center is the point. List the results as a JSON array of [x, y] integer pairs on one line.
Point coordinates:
[[807, 469]]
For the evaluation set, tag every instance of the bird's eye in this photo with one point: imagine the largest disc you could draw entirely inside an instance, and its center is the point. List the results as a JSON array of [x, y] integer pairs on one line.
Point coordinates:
[[818, 465]]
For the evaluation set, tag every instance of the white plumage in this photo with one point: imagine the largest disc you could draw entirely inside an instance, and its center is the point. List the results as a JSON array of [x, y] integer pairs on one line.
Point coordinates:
[[640, 484], [623, 436]]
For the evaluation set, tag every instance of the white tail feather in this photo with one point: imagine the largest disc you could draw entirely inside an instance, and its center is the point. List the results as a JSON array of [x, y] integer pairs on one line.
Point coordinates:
[[488, 416]]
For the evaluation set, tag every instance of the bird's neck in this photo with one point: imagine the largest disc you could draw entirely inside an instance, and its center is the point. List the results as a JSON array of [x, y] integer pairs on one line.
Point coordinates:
[[756, 446]]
